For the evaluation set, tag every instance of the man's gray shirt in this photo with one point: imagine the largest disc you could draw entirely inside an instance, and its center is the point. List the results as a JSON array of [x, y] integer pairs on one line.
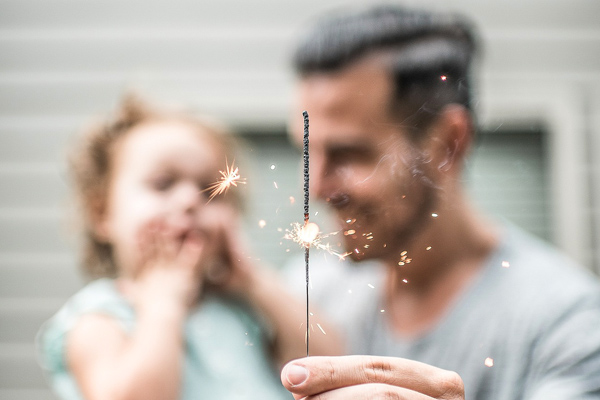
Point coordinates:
[[528, 327]]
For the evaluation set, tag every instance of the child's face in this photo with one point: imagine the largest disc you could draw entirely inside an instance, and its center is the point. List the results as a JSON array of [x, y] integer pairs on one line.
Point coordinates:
[[160, 170]]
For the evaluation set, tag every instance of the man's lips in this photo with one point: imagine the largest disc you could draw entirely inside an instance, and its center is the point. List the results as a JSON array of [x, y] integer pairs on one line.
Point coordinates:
[[338, 200]]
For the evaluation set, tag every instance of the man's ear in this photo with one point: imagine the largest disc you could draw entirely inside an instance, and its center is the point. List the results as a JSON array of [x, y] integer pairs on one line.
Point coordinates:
[[452, 135]]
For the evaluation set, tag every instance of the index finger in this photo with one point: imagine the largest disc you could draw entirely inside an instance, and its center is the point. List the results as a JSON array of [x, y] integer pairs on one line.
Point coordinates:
[[314, 375]]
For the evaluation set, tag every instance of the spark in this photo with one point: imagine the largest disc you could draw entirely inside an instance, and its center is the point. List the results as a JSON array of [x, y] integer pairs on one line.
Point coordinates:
[[275, 184], [443, 77], [262, 223], [273, 166], [309, 235], [505, 264], [230, 176], [489, 362], [321, 328], [404, 258], [434, 215]]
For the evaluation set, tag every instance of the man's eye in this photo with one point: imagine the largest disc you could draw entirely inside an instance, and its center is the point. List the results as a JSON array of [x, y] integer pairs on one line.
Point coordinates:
[[350, 155]]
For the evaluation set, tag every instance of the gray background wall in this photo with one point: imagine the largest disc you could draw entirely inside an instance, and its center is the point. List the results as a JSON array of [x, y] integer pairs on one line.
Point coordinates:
[[64, 61]]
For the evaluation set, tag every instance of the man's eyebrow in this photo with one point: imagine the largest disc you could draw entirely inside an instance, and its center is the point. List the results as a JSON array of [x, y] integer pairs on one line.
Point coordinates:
[[349, 145]]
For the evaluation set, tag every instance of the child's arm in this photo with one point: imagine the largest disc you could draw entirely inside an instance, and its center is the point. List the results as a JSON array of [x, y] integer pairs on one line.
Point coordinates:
[[262, 288], [287, 316], [109, 363]]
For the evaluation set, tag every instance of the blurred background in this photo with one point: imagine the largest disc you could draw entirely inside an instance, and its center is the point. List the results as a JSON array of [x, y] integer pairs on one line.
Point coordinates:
[[62, 62]]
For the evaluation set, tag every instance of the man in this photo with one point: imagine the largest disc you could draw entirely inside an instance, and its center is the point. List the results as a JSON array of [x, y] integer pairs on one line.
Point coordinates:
[[391, 122]]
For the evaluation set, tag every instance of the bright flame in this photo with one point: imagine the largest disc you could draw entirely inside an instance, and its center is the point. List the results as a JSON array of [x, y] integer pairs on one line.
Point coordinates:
[[228, 178], [309, 235]]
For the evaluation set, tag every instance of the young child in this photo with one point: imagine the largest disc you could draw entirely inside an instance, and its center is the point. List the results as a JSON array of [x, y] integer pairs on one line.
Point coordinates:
[[175, 309]]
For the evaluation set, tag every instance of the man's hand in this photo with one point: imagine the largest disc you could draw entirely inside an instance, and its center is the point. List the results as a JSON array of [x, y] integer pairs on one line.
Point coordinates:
[[369, 377]]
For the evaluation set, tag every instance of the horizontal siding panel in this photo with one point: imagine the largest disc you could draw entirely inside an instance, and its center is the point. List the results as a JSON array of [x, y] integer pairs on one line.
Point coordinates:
[[29, 280], [33, 235], [21, 326], [99, 13], [19, 368], [124, 51], [516, 14], [37, 190], [26, 394], [542, 56], [128, 52], [34, 144], [226, 97]]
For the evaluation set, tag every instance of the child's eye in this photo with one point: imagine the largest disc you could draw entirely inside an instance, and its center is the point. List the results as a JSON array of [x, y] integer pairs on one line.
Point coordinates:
[[162, 183], [205, 186]]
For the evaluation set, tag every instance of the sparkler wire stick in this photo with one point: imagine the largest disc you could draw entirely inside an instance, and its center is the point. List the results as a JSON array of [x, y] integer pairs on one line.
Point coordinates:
[[306, 216]]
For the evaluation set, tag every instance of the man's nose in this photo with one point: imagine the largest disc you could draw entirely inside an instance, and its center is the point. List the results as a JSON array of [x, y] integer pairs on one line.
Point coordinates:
[[320, 179]]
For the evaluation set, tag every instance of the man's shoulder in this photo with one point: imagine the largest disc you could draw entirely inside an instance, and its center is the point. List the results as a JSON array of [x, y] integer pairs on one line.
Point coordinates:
[[533, 274], [531, 258]]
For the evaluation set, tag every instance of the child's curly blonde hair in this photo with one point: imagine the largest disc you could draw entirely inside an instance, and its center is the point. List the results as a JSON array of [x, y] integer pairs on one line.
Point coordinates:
[[91, 163]]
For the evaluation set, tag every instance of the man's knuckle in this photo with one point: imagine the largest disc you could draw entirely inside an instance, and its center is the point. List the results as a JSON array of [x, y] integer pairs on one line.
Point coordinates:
[[384, 392], [332, 376], [451, 385], [377, 370]]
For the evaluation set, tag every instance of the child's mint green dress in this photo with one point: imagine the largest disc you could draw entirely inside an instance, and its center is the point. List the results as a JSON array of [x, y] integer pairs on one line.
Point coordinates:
[[225, 352]]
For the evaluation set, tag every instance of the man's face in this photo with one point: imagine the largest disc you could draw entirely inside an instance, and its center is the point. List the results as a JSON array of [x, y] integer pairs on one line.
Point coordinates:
[[362, 162]]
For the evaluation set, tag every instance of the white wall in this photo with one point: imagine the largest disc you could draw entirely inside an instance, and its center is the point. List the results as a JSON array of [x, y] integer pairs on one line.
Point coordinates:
[[63, 61]]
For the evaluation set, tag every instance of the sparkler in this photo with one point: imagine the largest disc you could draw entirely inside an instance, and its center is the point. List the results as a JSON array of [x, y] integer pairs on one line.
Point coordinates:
[[308, 234], [306, 217], [229, 177]]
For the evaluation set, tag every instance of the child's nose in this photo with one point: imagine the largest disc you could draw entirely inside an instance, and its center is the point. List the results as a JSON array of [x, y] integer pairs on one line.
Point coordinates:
[[188, 197]]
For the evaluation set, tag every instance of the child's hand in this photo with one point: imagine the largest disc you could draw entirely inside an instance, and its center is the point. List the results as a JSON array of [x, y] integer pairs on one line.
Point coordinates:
[[169, 270], [229, 266]]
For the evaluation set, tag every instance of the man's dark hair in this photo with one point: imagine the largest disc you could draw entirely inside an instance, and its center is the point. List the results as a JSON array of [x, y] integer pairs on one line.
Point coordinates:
[[430, 55]]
